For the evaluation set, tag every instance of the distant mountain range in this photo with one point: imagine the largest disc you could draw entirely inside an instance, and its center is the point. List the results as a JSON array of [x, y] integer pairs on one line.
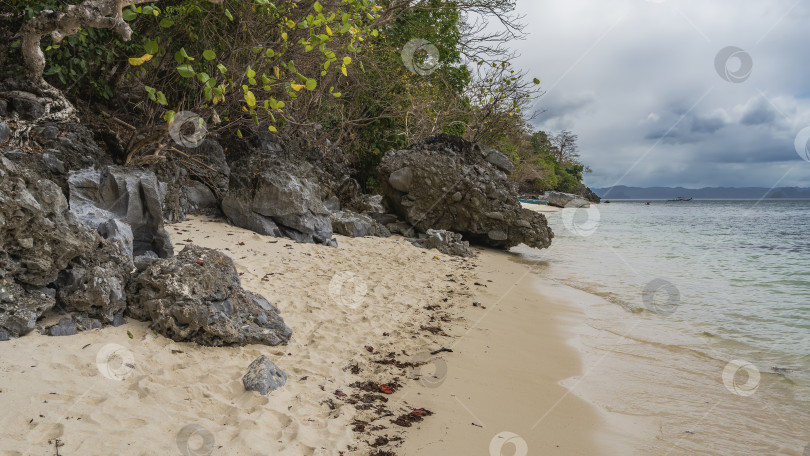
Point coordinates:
[[624, 192]]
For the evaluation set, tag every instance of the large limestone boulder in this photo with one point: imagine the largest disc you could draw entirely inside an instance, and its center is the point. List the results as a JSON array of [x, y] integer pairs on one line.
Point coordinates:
[[197, 296], [275, 197], [446, 183], [49, 256], [560, 199]]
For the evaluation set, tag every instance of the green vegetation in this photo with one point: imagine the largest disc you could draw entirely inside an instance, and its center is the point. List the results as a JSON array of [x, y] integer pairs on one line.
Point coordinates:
[[348, 70]]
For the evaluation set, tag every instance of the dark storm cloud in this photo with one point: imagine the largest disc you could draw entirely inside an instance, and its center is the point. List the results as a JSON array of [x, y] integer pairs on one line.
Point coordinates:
[[637, 81]]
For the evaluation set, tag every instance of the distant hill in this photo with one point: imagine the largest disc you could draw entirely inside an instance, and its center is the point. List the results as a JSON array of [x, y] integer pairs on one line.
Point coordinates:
[[624, 192]]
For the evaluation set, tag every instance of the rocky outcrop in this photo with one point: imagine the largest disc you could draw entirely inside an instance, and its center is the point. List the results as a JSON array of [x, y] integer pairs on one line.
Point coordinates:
[[263, 376], [446, 242], [357, 225], [47, 254], [560, 199], [197, 296], [101, 198], [446, 183], [273, 196]]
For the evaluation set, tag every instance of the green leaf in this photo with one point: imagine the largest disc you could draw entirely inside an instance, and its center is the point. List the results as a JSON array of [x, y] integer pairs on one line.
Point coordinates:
[[318, 7], [250, 99], [128, 14], [250, 73], [169, 116], [272, 129], [185, 54], [166, 22], [209, 55], [222, 68], [536, 81], [311, 84], [347, 60], [151, 47], [203, 77], [161, 99], [186, 71], [228, 14]]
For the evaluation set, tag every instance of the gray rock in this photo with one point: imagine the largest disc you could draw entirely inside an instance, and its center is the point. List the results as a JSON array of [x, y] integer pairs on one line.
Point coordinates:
[[14, 154], [560, 199], [357, 225], [266, 189], [401, 179], [65, 327], [53, 164], [141, 262], [129, 195], [197, 296], [498, 159], [446, 242], [264, 376], [200, 197], [28, 106], [20, 308], [5, 132], [3, 108], [455, 188]]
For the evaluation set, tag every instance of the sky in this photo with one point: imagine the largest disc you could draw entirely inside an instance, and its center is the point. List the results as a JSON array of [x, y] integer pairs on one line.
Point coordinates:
[[675, 93]]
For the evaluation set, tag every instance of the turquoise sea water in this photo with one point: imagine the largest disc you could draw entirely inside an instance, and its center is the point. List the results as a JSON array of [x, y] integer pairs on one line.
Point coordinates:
[[712, 281]]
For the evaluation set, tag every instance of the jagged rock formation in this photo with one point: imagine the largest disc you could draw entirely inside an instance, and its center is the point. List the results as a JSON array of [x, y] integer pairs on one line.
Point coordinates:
[[446, 242], [197, 297], [274, 196], [446, 183], [48, 255]]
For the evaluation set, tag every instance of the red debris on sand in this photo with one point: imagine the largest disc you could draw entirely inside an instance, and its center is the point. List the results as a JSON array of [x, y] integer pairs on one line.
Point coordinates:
[[241, 243], [200, 262], [370, 348], [386, 389], [418, 412]]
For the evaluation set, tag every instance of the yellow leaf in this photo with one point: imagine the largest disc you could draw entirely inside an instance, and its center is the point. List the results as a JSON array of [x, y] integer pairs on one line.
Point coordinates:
[[343, 70], [276, 71], [296, 87], [284, 36], [328, 31], [140, 60], [272, 129]]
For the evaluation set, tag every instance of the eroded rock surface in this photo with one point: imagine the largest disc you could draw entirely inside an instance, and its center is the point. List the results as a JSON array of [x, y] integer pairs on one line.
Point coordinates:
[[446, 183], [197, 296]]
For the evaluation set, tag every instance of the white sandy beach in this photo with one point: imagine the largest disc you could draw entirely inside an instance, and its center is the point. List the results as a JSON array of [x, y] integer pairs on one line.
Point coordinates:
[[503, 375]]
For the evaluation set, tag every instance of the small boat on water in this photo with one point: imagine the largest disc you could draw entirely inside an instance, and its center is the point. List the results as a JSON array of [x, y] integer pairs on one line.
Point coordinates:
[[681, 198], [533, 201]]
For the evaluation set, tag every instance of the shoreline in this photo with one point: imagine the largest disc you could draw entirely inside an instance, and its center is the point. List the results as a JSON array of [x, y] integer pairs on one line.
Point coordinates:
[[505, 378]]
